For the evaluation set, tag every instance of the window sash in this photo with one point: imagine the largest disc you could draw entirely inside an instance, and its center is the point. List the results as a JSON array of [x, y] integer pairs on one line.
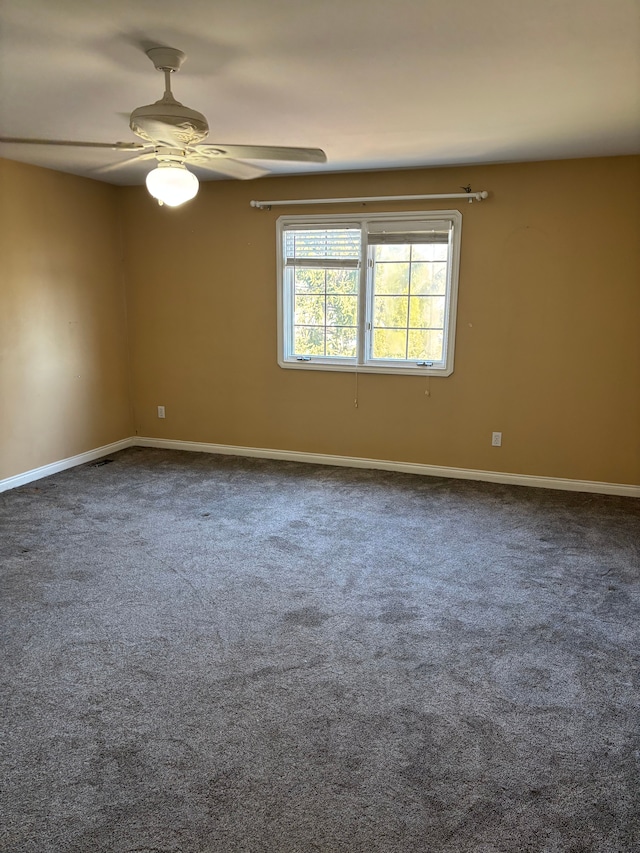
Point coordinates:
[[405, 331]]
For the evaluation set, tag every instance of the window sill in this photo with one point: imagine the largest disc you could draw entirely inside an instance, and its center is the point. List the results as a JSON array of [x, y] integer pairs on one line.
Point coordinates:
[[405, 370]]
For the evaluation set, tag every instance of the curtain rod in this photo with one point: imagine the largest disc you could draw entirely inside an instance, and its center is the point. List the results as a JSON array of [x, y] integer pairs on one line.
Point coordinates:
[[267, 205]]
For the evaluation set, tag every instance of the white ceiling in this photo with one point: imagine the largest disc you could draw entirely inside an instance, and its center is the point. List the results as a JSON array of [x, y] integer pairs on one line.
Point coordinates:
[[392, 84]]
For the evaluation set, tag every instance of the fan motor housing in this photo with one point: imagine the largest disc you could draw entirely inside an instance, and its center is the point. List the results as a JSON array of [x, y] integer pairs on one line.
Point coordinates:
[[169, 122]]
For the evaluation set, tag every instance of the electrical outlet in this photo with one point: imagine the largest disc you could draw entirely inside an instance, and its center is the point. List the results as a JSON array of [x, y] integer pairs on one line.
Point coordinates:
[[161, 413], [496, 439]]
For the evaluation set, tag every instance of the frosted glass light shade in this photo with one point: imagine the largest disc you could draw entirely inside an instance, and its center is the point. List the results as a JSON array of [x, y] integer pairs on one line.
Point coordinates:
[[172, 184]]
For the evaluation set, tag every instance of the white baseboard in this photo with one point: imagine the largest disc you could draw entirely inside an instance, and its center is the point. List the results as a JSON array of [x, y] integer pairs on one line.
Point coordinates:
[[63, 464], [325, 459], [405, 467]]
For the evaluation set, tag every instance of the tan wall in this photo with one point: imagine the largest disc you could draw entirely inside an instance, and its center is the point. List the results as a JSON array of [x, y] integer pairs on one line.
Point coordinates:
[[63, 349], [547, 346], [547, 343]]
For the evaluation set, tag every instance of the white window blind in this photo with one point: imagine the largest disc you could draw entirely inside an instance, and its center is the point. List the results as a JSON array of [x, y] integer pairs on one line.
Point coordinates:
[[322, 248], [383, 233]]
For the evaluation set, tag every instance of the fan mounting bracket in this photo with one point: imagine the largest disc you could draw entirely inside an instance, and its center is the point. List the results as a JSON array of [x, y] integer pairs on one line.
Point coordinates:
[[166, 58], [164, 154]]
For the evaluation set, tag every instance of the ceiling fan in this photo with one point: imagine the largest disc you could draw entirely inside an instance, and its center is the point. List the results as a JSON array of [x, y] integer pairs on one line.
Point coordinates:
[[173, 136]]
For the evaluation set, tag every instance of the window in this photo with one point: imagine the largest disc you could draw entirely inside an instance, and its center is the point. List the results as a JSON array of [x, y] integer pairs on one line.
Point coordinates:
[[375, 293]]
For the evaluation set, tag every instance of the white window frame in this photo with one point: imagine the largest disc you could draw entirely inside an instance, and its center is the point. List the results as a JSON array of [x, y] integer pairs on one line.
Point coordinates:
[[363, 363]]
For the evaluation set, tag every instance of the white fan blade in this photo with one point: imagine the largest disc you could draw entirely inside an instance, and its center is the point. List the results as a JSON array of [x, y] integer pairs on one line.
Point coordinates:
[[265, 152], [115, 146], [112, 167], [227, 166]]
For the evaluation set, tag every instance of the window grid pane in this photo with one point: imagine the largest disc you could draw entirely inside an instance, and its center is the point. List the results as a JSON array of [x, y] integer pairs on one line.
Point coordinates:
[[411, 326], [325, 312]]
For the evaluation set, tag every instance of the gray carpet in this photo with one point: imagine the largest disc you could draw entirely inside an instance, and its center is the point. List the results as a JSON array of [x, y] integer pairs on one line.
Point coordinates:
[[210, 653]]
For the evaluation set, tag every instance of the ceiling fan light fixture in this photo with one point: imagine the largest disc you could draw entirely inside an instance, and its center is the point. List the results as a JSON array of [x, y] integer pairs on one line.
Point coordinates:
[[172, 184]]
